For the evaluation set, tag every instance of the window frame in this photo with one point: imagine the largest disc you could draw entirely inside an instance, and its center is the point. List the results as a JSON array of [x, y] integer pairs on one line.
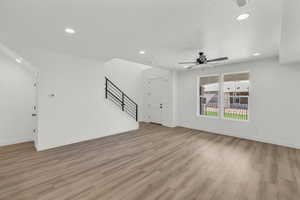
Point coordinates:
[[222, 100], [221, 95], [198, 95]]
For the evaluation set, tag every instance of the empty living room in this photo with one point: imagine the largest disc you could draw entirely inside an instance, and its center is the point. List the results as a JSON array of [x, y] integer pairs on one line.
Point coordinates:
[[149, 100]]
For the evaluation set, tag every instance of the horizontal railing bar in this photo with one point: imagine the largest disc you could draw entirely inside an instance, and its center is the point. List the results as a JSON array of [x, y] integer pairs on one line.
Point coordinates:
[[117, 103], [120, 90], [130, 99], [114, 99], [113, 84], [131, 114], [114, 89], [130, 107], [115, 94], [129, 102]]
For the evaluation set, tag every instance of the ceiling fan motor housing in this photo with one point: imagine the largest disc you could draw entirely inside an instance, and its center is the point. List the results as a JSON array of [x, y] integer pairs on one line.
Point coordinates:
[[242, 3], [202, 58]]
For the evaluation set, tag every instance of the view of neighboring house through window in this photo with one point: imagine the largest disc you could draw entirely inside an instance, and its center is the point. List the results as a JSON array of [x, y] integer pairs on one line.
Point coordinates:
[[209, 87], [236, 96]]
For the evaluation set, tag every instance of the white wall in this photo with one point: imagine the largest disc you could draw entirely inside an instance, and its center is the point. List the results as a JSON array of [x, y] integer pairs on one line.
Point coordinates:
[[79, 110], [290, 41], [128, 76], [168, 116], [17, 98], [274, 103]]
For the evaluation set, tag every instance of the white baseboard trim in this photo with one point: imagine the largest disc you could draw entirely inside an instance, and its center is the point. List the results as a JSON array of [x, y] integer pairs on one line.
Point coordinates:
[[163, 124], [257, 139], [51, 146], [14, 141]]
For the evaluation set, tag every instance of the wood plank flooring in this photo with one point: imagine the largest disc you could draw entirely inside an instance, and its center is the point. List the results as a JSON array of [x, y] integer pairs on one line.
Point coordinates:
[[153, 162]]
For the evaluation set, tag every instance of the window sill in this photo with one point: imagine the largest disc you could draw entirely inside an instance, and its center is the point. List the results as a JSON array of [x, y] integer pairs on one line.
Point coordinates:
[[235, 120], [222, 118], [208, 117]]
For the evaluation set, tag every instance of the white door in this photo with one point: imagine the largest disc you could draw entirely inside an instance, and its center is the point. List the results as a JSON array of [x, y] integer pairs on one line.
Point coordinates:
[[34, 114], [17, 101], [157, 99]]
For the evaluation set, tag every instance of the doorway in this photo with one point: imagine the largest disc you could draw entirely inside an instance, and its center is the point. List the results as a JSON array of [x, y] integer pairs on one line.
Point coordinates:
[[157, 100], [18, 101], [34, 114]]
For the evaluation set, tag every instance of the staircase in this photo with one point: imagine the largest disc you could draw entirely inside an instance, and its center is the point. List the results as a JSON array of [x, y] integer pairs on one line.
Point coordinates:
[[117, 96]]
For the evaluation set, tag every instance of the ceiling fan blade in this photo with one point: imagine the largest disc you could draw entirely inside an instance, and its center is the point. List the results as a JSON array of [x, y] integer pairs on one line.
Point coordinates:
[[190, 66], [184, 63], [218, 59]]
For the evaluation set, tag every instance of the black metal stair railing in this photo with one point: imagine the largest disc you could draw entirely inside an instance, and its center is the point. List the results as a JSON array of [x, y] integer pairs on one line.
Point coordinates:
[[117, 96]]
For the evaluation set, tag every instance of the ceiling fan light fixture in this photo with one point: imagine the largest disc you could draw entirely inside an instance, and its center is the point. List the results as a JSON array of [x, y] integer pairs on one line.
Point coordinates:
[[243, 16]]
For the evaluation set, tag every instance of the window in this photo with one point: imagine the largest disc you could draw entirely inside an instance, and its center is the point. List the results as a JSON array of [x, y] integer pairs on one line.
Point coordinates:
[[209, 87], [236, 96]]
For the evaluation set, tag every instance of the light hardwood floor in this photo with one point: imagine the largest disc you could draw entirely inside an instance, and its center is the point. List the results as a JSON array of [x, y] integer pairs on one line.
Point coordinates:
[[154, 162]]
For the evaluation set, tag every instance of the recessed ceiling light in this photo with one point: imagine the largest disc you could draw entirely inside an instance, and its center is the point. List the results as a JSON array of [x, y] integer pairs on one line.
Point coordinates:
[[70, 31], [243, 16], [256, 54], [142, 52], [18, 60]]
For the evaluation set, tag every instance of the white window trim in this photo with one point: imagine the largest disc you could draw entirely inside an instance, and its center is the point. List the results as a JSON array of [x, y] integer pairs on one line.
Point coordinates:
[[221, 96], [198, 95], [222, 100]]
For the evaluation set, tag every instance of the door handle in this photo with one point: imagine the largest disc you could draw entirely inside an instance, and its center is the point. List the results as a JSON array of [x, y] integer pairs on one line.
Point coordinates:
[[33, 115]]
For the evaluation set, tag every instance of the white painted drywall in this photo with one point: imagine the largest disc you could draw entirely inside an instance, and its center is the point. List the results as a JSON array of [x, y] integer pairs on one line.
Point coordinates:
[[128, 76], [17, 98], [168, 116], [274, 103], [290, 40], [72, 105]]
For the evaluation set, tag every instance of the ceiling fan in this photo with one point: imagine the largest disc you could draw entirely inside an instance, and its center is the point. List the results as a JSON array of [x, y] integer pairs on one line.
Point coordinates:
[[202, 60]]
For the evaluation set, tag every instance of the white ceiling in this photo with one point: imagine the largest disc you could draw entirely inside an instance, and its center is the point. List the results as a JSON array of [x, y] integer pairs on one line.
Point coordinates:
[[169, 30]]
